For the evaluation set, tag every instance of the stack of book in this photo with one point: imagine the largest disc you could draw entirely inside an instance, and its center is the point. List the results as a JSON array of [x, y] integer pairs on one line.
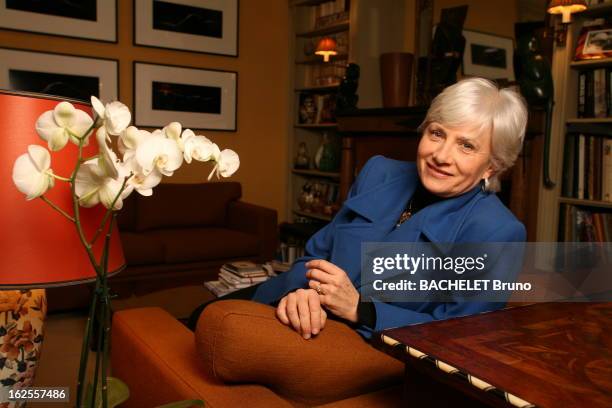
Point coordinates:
[[238, 275]]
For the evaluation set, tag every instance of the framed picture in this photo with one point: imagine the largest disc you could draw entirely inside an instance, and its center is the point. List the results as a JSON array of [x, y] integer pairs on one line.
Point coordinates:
[[594, 43], [487, 55], [88, 19], [59, 74], [209, 26], [197, 98]]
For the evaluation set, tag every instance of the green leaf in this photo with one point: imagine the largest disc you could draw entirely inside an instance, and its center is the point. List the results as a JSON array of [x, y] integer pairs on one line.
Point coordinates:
[[183, 404]]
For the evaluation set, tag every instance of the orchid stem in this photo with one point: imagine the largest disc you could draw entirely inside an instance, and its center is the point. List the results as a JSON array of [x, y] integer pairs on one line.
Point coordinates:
[[56, 208], [62, 178], [110, 210]]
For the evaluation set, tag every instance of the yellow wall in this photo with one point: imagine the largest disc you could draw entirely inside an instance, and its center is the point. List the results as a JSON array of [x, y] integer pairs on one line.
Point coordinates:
[[495, 17], [263, 81]]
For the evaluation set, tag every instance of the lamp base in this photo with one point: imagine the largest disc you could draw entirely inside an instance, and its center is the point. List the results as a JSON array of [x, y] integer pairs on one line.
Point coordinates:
[[22, 316]]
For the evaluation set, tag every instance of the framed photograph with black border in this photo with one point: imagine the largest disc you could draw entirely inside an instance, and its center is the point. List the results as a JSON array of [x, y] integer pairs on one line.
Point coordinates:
[[86, 19], [488, 56], [197, 98], [207, 26], [63, 75]]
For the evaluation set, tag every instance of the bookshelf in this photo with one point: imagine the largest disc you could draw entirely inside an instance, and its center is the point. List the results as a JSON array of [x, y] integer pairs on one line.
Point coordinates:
[[581, 135], [313, 191]]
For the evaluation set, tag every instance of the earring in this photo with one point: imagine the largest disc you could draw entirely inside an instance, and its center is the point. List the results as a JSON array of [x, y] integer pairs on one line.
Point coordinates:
[[485, 185]]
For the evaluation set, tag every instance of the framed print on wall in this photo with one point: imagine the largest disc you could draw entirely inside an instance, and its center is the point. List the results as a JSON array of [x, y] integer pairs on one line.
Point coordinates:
[[488, 56], [87, 19], [59, 74], [197, 98], [208, 26]]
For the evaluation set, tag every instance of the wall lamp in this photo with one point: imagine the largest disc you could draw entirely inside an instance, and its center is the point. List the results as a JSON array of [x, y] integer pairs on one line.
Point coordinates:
[[566, 8]]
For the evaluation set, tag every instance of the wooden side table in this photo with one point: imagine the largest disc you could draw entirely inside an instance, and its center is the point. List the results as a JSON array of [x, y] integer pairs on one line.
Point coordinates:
[[543, 355]]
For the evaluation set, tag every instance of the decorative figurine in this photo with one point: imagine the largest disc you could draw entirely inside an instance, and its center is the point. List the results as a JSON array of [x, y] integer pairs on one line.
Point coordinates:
[[302, 160]]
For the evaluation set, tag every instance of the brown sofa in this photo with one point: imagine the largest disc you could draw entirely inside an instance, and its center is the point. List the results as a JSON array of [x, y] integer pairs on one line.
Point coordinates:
[[182, 235], [273, 366]]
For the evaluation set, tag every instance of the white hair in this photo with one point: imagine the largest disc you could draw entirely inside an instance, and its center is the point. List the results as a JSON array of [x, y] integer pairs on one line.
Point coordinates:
[[480, 104]]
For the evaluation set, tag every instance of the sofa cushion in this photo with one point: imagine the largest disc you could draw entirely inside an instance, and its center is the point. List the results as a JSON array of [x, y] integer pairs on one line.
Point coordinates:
[[186, 205], [198, 244], [144, 248]]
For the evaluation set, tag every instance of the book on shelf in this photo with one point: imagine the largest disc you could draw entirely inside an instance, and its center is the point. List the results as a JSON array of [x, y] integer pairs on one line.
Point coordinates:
[[580, 224], [587, 167], [595, 93]]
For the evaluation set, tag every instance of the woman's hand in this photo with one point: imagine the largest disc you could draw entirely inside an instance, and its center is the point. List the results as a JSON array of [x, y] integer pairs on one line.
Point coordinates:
[[335, 289], [302, 310]]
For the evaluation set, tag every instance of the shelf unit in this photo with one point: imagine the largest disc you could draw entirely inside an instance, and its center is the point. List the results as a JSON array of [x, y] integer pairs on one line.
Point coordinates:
[[314, 85], [554, 207]]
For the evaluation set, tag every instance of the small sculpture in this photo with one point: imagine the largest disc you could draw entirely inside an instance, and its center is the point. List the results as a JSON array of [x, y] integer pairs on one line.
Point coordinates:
[[302, 160]]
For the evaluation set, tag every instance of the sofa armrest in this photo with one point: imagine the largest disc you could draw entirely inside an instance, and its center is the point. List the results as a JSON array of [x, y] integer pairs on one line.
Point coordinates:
[[155, 355], [257, 220]]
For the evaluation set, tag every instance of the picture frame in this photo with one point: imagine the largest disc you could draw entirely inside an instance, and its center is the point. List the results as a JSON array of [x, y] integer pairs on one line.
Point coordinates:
[[87, 19], [594, 43], [201, 99], [488, 55], [63, 75], [204, 26]]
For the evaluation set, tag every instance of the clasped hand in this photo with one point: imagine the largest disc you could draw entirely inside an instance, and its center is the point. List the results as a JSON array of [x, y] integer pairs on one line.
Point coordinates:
[[330, 290]]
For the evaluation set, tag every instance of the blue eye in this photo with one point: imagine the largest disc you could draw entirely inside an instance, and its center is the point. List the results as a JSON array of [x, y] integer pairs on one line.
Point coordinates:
[[468, 146]]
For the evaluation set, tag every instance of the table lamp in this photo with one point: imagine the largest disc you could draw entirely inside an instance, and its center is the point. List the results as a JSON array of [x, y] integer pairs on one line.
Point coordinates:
[[38, 247]]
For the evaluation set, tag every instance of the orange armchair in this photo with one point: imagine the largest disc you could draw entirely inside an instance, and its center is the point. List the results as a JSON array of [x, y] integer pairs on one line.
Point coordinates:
[[240, 356]]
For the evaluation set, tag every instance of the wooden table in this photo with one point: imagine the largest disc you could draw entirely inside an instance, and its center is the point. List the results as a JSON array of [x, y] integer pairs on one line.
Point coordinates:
[[543, 355]]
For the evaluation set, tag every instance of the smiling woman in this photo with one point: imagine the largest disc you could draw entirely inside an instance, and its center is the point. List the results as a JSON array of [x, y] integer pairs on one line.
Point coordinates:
[[473, 132]]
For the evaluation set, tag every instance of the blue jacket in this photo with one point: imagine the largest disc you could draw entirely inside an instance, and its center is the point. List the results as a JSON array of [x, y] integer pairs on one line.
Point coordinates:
[[375, 202]]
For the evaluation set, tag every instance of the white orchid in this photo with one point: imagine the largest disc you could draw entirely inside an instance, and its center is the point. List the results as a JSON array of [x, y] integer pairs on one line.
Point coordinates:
[[227, 163], [143, 184], [94, 186], [159, 152], [199, 148], [130, 138], [107, 159], [174, 131], [115, 116], [61, 124], [32, 172]]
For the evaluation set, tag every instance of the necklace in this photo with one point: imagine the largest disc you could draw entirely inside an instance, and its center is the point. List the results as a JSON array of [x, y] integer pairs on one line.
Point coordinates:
[[406, 214]]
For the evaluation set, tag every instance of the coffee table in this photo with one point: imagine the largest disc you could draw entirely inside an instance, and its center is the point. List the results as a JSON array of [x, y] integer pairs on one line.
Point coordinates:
[[543, 355]]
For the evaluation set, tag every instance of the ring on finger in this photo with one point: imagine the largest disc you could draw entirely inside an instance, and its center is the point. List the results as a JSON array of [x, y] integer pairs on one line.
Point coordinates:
[[319, 290]]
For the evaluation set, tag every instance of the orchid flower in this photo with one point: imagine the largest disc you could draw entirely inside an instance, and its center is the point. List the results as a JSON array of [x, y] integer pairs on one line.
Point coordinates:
[[198, 148], [159, 152], [115, 116], [93, 186], [32, 173], [143, 184], [107, 157], [174, 131], [227, 163], [64, 122]]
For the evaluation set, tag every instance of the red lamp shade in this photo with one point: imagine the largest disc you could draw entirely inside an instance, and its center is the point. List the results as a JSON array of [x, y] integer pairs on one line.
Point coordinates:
[[326, 47], [38, 246]]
